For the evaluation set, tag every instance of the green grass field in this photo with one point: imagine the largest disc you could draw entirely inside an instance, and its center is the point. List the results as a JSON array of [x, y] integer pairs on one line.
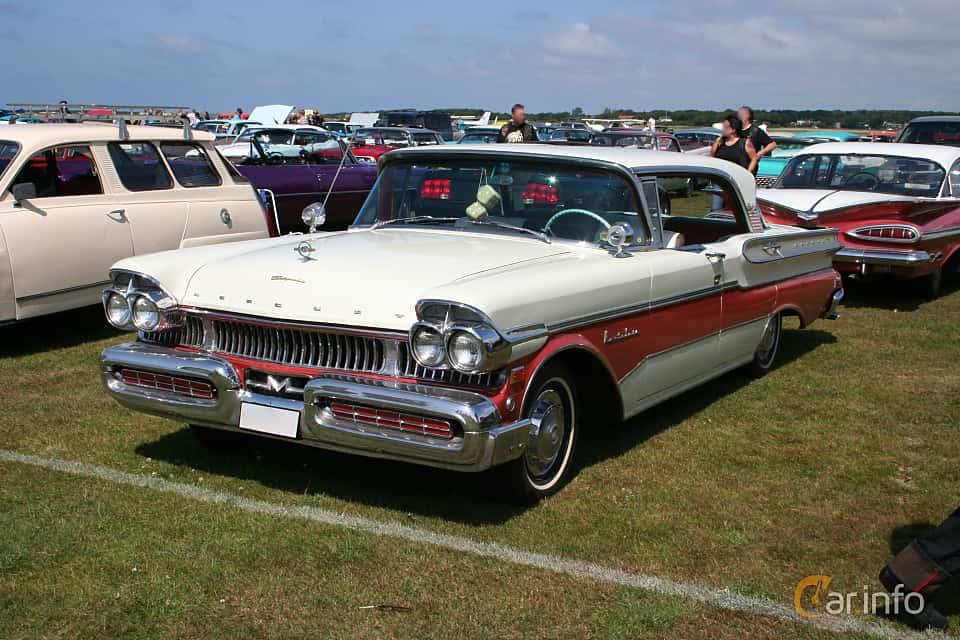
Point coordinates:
[[824, 466]]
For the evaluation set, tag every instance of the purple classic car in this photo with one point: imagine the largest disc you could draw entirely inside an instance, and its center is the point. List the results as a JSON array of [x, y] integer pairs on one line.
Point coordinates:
[[293, 168]]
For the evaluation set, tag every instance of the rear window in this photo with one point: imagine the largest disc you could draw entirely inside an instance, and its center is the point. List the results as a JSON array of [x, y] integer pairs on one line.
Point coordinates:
[[139, 166], [946, 133], [190, 164], [7, 152]]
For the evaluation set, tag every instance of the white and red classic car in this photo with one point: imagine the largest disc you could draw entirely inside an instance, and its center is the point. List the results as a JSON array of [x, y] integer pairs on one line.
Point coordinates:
[[487, 304], [896, 206]]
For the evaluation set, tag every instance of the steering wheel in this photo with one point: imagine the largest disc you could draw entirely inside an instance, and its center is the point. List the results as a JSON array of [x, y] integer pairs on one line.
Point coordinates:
[[275, 157], [869, 186], [582, 212]]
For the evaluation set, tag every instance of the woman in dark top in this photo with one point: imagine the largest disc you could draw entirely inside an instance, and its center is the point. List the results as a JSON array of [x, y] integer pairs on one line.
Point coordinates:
[[734, 147]]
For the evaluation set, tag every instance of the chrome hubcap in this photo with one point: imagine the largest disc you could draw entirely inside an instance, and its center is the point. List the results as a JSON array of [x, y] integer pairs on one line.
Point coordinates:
[[546, 438], [768, 343]]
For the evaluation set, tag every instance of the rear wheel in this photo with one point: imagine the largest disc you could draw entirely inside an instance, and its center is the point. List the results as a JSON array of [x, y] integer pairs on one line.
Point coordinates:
[[766, 353], [932, 284], [544, 467]]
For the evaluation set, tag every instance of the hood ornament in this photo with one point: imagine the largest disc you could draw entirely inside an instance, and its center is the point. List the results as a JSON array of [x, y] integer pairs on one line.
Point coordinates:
[[304, 249]]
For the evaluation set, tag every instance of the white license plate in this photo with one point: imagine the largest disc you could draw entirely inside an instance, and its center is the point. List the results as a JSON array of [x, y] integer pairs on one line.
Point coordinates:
[[277, 422]]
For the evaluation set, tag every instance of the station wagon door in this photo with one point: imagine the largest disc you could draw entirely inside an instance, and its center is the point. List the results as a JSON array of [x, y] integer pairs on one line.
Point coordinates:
[[63, 242]]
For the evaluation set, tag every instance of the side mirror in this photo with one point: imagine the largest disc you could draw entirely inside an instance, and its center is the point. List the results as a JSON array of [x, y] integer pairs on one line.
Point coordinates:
[[314, 215], [23, 191]]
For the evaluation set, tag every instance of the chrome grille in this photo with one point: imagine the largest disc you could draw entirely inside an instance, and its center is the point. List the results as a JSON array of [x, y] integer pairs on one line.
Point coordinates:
[[189, 334], [766, 181], [408, 366], [298, 346]]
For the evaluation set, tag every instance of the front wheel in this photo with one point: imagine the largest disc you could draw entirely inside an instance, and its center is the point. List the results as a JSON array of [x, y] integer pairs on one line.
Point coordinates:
[[541, 471], [766, 353]]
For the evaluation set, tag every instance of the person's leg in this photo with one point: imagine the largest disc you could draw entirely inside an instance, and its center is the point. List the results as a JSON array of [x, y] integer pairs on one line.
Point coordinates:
[[925, 566]]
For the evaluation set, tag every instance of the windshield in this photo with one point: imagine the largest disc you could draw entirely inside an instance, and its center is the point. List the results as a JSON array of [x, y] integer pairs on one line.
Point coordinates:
[[267, 136], [606, 140], [293, 147], [478, 138], [382, 137], [562, 201], [947, 133], [875, 173], [789, 148], [8, 150]]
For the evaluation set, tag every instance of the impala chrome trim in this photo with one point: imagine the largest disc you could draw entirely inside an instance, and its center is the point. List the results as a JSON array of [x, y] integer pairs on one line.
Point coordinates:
[[940, 234], [883, 256], [859, 233]]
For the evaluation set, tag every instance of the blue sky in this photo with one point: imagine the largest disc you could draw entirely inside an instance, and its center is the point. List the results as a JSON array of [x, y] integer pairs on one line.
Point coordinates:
[[359, 55]]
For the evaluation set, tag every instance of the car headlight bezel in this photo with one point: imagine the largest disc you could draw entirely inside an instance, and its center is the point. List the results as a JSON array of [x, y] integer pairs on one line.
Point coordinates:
[[459, 324], [131, 287]]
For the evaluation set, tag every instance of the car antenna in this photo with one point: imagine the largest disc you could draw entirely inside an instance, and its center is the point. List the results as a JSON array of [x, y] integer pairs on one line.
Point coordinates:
[[344, 150]]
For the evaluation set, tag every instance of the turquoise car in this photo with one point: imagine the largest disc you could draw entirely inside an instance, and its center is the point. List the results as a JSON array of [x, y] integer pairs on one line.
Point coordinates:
[[830, 135], [770, 167]]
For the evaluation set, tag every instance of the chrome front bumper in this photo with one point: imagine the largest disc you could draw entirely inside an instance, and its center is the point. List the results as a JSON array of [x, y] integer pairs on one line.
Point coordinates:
[[883, 257], [482, 440]]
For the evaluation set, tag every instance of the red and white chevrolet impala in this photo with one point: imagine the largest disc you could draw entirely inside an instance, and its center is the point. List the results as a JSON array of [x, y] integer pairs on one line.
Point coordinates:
[[486, 304], [896, 206]]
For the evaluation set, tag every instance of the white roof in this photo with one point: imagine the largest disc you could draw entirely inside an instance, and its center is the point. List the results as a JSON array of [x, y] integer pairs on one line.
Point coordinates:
[[628, 157], [44, 135], [942, 154]]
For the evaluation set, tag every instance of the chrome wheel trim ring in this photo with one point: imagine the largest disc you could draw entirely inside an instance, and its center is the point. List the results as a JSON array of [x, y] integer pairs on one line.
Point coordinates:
[[548, 451], [769, 342]]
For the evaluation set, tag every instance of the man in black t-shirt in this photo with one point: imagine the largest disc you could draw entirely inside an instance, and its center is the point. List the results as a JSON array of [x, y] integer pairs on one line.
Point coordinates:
[[762, 142], [518, 129]]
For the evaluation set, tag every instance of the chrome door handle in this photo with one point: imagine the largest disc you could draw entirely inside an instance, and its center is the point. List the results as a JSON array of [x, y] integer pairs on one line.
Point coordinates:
[[716, 256], [120, 215]]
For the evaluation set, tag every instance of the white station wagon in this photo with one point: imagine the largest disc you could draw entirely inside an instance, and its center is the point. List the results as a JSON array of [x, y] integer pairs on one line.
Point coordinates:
[[488, 303], [78, 197]]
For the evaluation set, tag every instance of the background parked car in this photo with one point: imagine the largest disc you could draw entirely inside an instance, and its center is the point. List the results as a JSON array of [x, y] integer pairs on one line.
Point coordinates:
[[770, 167], [78, 197], [438, 121], [307, 166], [932, 130], [690, 139], [480, 135]]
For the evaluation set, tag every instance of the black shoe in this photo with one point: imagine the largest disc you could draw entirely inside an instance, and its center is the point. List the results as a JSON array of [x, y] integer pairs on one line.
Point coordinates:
[[928, 618]]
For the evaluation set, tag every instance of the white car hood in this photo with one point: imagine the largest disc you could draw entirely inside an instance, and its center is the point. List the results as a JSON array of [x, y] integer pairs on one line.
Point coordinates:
[[271, 114], [821, 201], [361, 278]]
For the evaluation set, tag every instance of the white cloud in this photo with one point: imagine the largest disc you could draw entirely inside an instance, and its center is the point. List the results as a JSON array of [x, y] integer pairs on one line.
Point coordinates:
[[578, 39]]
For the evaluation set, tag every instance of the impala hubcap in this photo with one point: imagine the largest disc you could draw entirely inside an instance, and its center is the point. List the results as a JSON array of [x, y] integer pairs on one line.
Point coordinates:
[[546, 438]]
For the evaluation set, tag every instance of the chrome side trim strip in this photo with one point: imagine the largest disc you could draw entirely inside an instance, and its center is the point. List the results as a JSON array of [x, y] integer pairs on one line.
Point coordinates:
[[880, 256], [940, 234], [47, 294]]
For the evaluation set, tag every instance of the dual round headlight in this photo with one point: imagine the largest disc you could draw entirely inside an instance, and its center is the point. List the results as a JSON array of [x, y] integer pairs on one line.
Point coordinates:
[[428, 346], [146, 314], [118, 310], [143, 313], [464, 350]]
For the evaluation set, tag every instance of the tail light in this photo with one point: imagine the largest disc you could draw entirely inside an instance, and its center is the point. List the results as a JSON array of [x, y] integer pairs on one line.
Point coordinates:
[[540, 194], [435, 189], [267, 207], [887, 233]]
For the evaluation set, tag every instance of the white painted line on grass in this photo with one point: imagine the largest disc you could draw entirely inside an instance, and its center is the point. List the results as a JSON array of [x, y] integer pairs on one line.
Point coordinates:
[[720, 598]]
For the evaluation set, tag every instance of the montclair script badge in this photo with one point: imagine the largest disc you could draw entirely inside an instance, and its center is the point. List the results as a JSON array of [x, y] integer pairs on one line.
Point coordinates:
[[622, 334]]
